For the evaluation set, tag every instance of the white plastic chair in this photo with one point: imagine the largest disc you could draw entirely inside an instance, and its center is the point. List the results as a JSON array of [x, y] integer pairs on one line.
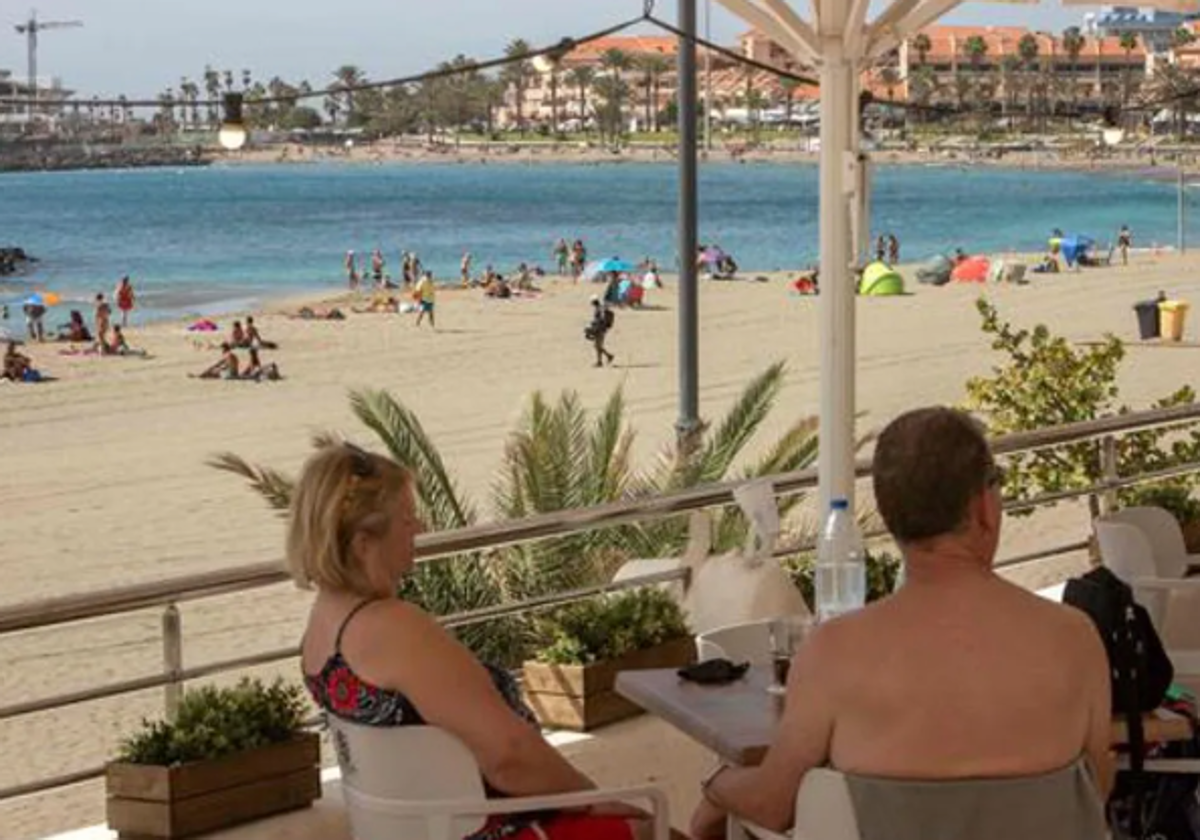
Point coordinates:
[[1125, 550], [1161, 529], [748, 642], [422, 783], [824, 811]]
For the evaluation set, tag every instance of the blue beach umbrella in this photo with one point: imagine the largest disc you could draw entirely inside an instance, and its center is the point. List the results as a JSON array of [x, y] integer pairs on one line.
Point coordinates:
[[599, 267]]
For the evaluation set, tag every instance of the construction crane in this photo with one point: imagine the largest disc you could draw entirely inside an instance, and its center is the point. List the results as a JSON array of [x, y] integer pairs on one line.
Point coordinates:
[[30, 30]]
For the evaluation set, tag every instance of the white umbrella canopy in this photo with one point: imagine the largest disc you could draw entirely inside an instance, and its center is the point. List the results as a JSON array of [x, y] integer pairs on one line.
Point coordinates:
[[841, 38]]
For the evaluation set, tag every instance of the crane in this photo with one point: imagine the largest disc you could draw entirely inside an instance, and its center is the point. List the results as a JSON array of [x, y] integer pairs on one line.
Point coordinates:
[[30, 30]]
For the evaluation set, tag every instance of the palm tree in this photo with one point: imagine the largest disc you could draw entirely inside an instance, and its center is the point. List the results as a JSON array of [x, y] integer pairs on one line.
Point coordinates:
[[582, 78], [558, 458], [212, 87], [517, 75], [228, 81], [347, 77], [1073, 43], [922, 45], [1010, 67], [922, 84], [1172, 84], [974, 48], [615, 63], [1129, 43], [247, 79], [1028, 49], [789, 88], [659, 66]]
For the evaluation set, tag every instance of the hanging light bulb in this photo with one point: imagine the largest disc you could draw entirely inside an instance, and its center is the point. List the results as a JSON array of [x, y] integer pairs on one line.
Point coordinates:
[[232, 135]]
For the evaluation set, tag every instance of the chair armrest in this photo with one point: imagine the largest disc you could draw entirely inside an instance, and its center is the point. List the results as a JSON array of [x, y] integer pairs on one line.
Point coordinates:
[[760, 832], [656, 799]]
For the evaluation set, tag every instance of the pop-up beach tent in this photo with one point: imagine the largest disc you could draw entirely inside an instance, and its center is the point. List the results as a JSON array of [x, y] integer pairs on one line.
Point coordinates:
[[880, 280], [1075, 246], [842, 39]]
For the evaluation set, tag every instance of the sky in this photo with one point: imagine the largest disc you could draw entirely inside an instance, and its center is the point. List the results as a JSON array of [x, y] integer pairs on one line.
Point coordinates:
[[139, 48]]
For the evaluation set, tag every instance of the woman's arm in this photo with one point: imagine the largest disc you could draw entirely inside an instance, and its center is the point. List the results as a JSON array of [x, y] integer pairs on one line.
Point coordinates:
[[451, 689]]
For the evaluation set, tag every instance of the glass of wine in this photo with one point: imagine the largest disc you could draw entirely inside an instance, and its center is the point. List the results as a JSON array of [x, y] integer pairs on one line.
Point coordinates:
[[786, 635]]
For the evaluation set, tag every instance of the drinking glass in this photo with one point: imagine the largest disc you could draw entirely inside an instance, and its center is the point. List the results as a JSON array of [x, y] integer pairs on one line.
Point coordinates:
[[786, 635]]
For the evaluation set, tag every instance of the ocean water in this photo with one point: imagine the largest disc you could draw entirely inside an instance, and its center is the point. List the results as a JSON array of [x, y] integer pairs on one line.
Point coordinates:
[[212, 239]]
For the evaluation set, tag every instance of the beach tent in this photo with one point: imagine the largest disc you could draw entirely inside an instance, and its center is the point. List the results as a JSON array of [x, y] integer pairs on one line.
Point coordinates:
[[972, 270], [1074, 247], [880, 280], [842, 39], [935, 271]]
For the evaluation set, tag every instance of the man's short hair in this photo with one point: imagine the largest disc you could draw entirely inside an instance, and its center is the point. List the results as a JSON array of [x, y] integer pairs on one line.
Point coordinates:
[[928, 465]]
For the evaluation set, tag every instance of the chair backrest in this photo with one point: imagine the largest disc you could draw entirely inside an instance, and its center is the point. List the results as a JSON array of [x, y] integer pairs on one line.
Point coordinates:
[[1126, 552], [1162, 531], [404, 764], [1060, 805], [824, 808], [749, 642]]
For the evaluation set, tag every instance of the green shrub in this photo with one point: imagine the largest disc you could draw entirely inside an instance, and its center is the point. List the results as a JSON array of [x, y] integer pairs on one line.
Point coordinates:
[[882, 570], [215, 722], [1170, 496], [607, 627]]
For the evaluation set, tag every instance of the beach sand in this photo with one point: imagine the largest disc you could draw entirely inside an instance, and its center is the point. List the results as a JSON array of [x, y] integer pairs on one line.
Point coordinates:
[[103, 479]]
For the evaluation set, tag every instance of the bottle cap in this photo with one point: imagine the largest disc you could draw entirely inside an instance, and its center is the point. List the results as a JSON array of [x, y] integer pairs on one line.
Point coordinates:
[[839, 504]]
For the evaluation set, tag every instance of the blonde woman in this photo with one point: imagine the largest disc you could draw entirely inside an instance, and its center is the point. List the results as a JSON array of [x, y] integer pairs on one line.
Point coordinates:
[[371, 658]]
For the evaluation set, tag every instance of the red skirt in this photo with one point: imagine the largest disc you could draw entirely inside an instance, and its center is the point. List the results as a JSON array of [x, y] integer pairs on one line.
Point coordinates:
[[559, 827]]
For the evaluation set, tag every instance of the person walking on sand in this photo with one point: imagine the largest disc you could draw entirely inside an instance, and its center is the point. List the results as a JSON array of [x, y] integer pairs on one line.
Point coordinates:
[[377, 267], [597, 331], [1124, 243], [425, 293], [465, 269], [124, 297], [893, 250], [351, 271], [103, 317], [562, 256]]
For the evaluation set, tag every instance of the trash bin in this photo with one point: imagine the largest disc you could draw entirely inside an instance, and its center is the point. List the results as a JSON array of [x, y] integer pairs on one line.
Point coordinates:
[[1147, 318], [1172, 314]]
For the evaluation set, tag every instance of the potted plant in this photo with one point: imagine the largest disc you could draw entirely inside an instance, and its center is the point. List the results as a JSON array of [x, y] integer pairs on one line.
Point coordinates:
[[1176, 499], [883, 569], [231, 755], [570, 684]]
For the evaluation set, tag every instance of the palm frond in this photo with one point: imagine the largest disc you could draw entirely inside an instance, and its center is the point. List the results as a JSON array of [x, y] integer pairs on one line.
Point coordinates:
[[324, 440], [271, 484], [441, 504], [739, 425]]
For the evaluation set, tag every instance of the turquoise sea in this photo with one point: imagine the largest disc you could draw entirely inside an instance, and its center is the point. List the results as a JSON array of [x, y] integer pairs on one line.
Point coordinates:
[[204, 240]]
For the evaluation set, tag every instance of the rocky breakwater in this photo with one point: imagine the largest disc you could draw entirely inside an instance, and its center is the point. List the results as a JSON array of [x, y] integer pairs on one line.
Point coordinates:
[[31, 158], [14, 260]]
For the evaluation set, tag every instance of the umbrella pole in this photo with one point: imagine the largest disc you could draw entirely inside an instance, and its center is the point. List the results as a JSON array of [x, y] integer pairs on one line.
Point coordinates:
[[839, 108], [688, 425]]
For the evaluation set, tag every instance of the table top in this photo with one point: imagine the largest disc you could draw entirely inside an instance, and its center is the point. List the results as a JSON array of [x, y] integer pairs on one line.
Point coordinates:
[[738, 721]]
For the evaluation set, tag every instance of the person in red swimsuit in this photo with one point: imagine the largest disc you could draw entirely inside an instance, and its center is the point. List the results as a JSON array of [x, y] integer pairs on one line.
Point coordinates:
[[124, 298], [371, 658]]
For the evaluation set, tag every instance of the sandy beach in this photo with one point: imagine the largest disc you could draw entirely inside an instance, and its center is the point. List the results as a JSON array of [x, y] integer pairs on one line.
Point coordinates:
[[103, 480]]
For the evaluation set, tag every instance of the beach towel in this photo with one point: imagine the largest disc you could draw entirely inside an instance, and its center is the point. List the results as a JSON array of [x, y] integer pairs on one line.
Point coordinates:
[[203, 325]]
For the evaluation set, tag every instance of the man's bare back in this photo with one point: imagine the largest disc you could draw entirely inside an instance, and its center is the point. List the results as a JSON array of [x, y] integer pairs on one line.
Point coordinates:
[[962, 677]]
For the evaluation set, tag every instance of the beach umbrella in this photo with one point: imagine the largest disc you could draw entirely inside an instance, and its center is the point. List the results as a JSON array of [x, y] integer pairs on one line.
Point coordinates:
[[595, 269], [842, 38], [43, 299]]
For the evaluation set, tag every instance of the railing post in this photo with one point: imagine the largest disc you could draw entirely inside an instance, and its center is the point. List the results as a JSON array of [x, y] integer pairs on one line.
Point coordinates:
[[1108, 467], [172, 627]]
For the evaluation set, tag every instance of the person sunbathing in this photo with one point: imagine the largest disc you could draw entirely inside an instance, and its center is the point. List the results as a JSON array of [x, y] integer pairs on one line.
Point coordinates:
[[16, 364], [118, 346], [237, 336], [74, 330], [257, 371], [227, 365], [308, 313], [254, 337]]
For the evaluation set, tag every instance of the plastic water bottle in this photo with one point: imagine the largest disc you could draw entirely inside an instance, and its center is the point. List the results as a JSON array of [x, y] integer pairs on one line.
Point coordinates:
[[841, 578]]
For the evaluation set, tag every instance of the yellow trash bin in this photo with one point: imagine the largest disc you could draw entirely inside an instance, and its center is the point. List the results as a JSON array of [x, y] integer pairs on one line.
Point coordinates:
[[1171, 317]]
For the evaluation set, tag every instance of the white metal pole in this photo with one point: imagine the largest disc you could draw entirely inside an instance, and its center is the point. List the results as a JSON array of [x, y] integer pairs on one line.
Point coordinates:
[[838, 111]]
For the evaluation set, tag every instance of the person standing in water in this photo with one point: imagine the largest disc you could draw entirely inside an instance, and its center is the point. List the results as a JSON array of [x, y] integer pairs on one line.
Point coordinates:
[[351, 271], [425, 293], [103, 316], [465, 269], [124, 297], [1124, 243]]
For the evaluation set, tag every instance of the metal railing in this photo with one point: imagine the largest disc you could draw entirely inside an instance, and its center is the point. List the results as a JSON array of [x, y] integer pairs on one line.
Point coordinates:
[[168, 594]]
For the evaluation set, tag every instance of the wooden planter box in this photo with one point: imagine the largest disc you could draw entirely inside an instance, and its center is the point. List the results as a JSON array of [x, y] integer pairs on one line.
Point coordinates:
[[581, 697], [1191, 536], [147, 801]]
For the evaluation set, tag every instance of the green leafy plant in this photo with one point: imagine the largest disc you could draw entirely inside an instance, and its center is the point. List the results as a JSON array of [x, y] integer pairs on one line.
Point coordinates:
[[1178, 501], [559, 457], [608, 627], [215, 722], [883, 569], [1044, 381]]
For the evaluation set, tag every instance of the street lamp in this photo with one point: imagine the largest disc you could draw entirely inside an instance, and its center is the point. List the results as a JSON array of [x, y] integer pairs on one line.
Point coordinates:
[[232, 135]]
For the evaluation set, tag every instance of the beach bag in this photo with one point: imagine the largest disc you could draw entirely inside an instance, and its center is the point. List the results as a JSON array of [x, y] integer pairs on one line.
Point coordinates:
[[1140, 672], [609, 319]]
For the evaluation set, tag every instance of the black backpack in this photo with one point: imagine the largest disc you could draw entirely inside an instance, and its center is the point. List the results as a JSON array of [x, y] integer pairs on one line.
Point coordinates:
[[1141, 672], [609, 318]]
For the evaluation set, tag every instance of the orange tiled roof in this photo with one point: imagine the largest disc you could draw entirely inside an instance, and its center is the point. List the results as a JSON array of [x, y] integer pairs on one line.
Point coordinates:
[[632, 44], [946, 41]]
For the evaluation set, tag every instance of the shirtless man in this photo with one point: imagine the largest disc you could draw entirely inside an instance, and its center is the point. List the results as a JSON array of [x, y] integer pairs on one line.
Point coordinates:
[[227, 365], [103, 317], [958, 675]]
